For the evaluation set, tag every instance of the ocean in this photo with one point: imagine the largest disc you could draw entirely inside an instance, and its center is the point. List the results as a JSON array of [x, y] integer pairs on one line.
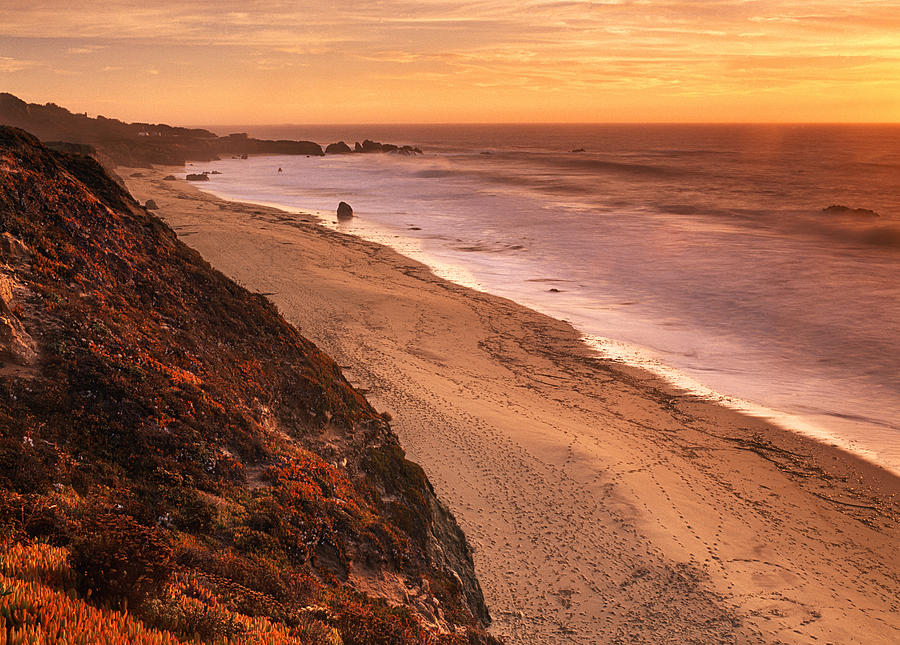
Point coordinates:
[[699, 252]]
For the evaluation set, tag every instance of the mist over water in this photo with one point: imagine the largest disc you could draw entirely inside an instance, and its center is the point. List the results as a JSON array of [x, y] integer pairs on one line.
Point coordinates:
[[702, 248]]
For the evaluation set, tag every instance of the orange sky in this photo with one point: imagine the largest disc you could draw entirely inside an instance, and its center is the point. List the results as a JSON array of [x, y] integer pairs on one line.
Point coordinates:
[[355, 61]]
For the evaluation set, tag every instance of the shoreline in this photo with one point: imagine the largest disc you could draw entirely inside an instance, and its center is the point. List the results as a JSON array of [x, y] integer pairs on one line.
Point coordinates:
[[602, 503], [810, 412], [607, 349]]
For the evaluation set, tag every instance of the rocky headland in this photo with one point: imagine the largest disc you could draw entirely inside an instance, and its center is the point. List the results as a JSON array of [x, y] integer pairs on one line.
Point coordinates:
[[116, 143]]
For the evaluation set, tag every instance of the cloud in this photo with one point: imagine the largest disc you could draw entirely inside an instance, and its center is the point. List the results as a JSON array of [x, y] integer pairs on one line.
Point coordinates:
[[530, 45], [9, 65], [85, 49]]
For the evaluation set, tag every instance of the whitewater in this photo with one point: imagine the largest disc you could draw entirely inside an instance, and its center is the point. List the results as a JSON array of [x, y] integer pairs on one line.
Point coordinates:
[[701, 253]]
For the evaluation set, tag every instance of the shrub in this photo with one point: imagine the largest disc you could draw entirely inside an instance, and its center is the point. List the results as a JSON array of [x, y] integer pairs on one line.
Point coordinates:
[[24, 466], [192, 619], [115, 559]]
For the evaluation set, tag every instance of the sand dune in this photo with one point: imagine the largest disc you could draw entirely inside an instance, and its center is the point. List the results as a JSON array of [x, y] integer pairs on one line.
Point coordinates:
[[603, 506]]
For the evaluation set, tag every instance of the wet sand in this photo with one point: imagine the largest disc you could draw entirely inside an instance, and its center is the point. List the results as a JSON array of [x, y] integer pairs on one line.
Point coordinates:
[[603, 505]]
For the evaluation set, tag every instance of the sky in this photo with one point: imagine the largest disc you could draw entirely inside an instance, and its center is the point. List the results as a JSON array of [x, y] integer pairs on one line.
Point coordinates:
[[195, 62]]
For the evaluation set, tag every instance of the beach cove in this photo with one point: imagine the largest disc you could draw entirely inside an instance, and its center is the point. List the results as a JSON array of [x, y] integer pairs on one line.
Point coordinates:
[[602, 504]]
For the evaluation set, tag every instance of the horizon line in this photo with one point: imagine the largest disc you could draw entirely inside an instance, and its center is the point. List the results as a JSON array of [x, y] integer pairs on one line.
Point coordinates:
[[556, 123]]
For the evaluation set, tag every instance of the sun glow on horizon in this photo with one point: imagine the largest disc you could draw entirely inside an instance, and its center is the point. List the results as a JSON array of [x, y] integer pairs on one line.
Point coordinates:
[[440, 61]]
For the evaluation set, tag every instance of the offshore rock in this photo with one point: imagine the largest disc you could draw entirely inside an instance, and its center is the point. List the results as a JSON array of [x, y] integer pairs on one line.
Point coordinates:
[[344, 211], [369, 146], [339, 148], [840, 209]]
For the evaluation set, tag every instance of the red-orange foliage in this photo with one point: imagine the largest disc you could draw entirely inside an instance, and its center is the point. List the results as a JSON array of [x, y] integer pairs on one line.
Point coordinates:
[[114, 557], [39, 605], [171, 406]]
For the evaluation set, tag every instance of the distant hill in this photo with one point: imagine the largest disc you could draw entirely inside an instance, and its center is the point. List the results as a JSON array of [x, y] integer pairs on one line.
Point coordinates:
[[169, 444], [136, 144]]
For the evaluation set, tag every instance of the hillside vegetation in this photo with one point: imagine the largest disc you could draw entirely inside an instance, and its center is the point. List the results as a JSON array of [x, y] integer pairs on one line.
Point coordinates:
[[177, 462]]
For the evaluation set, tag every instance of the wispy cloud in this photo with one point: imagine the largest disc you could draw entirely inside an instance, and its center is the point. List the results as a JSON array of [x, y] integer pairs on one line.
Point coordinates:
[[9, 65], [85, 49], [685, 47]]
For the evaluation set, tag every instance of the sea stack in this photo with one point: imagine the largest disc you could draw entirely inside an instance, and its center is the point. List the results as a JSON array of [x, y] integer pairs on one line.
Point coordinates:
[[339, 148], [344, 211]]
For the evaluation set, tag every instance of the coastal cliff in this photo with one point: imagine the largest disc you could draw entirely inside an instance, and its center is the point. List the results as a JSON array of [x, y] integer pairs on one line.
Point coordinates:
[[117, 143], [169, 444]]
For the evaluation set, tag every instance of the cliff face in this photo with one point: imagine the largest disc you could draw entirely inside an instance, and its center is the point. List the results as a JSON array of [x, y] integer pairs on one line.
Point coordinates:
[[189, 452]]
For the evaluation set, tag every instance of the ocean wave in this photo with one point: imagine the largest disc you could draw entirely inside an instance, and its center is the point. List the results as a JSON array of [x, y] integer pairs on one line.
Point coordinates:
[[579, 162], [858, 232], [542, 183], [488, 247], [434, 173], [888, 236], [573, 162], [752, 214]]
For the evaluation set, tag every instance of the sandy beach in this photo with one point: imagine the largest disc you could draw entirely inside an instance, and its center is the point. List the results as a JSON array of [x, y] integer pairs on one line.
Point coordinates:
[[603, 505]]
